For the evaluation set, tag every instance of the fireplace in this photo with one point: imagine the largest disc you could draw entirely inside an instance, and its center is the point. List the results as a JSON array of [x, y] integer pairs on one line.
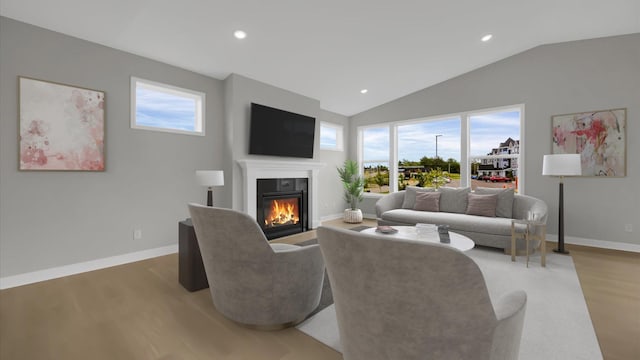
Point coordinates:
[[282, 206]]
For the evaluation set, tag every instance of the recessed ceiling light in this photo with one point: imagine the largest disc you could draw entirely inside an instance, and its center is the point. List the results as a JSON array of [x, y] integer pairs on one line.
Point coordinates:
[[363, 91], [239, 34], [486, 37]]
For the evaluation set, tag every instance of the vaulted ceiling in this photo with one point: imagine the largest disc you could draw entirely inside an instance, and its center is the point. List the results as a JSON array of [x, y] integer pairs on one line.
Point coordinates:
[[331, 49]]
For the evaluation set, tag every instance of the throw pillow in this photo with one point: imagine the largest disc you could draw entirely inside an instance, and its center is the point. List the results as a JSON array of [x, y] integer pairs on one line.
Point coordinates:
[[410, 195], [505, 200], [454, 200], [427, 201], [483, 205]]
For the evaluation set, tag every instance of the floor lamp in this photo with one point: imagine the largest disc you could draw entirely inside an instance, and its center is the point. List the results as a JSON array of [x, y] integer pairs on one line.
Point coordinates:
[[561, 165], [210, 178]]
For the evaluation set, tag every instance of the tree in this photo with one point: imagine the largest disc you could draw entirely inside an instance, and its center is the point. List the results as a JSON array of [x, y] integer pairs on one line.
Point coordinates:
[[435, 177], [401, 184]]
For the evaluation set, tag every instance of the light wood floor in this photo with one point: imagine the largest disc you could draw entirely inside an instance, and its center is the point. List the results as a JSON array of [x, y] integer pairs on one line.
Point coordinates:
[[140, 311]]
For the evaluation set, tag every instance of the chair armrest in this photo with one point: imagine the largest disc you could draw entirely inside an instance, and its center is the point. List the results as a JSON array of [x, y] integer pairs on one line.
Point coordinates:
[[523, 204], [510, 310], [301, 265], [300, 255]]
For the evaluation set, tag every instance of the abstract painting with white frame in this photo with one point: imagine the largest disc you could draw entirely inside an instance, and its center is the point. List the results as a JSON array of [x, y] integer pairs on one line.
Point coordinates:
[[598, 136], [61, 127]]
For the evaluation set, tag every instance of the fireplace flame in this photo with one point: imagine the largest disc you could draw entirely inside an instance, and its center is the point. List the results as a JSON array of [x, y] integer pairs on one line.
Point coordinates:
[[282, 212]]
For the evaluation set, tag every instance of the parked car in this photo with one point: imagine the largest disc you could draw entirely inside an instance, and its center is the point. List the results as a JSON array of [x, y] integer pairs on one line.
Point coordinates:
[[473, 177], [484, 177], [498, 178]]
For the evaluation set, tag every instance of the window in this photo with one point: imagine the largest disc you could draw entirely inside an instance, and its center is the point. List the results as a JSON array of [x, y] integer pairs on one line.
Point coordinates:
[[161, 107], [375, 159], [494, 148], [464, 149], [429, 152], [331, 137]]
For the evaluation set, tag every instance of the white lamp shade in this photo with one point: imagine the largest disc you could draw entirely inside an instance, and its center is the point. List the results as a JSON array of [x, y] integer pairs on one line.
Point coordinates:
[[210, 177], [561, 165]]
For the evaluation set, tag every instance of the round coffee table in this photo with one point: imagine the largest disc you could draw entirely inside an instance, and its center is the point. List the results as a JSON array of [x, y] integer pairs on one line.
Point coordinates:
[[458, 241]]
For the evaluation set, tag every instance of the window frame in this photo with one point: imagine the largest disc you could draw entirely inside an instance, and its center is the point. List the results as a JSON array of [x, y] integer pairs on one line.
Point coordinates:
[[198, 97], [465, 138], [393, 154], [339, 136]]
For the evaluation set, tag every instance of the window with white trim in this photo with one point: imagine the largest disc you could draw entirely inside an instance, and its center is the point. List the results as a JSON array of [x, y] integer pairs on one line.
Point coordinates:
[[459, 147], [331, 136], [161, 107], [374, 158]]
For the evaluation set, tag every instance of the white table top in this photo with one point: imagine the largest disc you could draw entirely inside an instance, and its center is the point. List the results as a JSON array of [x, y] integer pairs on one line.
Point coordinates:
[[458, 241]]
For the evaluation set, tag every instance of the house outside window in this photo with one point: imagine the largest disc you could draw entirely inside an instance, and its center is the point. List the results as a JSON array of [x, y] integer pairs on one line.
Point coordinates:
[[497, 166]]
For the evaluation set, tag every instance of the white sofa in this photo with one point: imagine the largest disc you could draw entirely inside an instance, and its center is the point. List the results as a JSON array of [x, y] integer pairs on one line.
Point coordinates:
[[494, 231]]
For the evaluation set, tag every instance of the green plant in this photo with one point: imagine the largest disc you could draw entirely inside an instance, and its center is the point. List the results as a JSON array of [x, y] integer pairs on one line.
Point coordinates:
[[423, 179], [435, 178], [401, 184], [352, 182], [381, 179]]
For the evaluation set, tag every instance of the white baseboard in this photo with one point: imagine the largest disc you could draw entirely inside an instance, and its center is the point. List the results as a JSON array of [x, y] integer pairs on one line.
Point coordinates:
[[339, 216], [331, 217], [72, 269], [369, 216], [612, 245]]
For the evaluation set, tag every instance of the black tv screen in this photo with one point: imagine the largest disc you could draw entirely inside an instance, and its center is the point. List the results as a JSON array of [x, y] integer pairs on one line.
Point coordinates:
[[280, 133]]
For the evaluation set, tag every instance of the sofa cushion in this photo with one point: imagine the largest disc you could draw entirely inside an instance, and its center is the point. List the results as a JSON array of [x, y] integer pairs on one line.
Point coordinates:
[[482, 205], [456, 222], [427, 201], [505, 200], [410, 195], [454, 200]]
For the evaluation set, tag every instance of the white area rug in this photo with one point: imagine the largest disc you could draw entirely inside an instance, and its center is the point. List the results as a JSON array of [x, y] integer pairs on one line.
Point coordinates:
[[557, 323]]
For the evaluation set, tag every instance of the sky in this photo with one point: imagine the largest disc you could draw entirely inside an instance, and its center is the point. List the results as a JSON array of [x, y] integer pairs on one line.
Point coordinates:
[[163, 110], [416, 140], [328, 137]]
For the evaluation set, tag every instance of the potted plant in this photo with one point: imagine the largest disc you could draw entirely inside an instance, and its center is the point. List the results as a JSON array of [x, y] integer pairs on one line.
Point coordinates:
[[353, 187]]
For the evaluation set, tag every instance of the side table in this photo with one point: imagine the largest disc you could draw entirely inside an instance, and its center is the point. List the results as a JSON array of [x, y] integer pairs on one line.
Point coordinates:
[[529, 230], [191, 272]]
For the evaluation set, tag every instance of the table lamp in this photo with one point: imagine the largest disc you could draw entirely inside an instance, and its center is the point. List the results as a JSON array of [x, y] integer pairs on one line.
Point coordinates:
[[561, 165], [210, 178]]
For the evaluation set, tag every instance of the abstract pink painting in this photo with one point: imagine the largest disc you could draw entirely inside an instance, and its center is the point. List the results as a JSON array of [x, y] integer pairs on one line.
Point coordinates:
[[598, 136], [61, 127]]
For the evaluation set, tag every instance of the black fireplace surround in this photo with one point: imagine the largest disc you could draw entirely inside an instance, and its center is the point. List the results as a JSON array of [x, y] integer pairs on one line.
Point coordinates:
[[291, 191]]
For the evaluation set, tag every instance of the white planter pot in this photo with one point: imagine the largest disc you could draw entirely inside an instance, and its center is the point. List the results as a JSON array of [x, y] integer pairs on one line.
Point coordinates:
[[352, 216]]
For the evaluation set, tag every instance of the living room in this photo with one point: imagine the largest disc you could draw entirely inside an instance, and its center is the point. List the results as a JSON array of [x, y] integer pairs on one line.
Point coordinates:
[[61, 223]]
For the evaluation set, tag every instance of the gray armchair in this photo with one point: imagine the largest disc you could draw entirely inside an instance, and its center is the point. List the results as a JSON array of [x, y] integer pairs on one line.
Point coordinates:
[[402, 299], [253, 282]]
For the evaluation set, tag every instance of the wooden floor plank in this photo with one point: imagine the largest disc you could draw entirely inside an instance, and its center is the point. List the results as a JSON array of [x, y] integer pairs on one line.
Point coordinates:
[[140, 311]]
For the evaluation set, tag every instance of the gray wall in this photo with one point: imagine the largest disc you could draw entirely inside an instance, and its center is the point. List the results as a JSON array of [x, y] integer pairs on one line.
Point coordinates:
[[240, 92], [552, 79], [331, 202], [51, 219]]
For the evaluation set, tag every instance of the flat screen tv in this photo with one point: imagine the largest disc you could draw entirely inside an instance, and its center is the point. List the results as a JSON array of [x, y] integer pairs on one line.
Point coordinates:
[[280, 133]]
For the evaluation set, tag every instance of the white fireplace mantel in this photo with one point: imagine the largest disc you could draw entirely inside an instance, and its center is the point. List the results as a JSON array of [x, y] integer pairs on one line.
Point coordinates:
[[252, 170]]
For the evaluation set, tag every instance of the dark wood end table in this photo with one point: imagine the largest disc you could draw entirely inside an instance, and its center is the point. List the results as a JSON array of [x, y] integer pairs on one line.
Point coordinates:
[[191, 272]]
